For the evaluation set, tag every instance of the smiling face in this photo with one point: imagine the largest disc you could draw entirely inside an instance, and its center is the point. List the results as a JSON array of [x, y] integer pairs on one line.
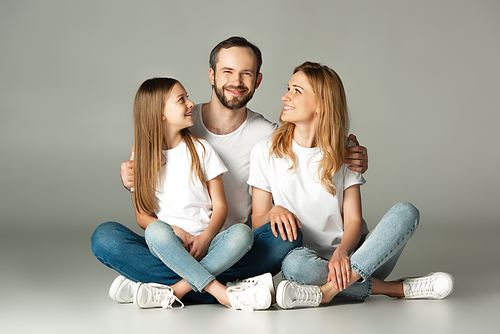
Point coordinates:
[[300, 101], [235, 77], [178, 111]]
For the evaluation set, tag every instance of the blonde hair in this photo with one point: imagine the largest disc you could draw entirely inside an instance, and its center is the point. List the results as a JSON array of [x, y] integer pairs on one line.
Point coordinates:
[[149, 103], [332, 125]]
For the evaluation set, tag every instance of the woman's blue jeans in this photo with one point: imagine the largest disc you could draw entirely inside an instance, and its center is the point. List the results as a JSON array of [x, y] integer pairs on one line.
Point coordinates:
[[127, 252], [376, 257]]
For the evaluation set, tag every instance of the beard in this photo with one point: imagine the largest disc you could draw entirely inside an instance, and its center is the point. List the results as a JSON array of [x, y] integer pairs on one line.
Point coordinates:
[[236, 102]]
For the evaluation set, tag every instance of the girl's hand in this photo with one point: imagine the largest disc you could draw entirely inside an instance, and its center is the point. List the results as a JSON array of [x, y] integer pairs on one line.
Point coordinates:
[[339, 269], [185, 236], [198, 246], [284, 220]]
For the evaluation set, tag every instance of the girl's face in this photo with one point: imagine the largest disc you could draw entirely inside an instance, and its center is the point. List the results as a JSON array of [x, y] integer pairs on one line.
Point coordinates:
[[300, 101], [178, 112]]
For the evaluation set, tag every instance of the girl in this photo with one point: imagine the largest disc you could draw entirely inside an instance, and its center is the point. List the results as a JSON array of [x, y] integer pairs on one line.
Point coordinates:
[[179, 200], [300, 169]]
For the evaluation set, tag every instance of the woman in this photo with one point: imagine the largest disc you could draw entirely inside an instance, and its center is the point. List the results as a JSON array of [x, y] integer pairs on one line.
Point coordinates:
[[300, 169]]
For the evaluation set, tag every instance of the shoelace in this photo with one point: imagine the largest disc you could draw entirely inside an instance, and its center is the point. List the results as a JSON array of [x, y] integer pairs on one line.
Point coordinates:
[[418, 288], [307, 295], [245, 301], [165, 297]]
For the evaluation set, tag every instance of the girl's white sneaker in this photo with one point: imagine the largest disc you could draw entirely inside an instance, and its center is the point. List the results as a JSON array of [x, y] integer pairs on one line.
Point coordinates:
[[155, 295], [255, 297]]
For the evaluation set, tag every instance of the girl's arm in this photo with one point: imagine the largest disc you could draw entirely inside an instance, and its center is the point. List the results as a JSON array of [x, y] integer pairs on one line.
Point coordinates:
[[339, 265], [264, 212], [198, 245]]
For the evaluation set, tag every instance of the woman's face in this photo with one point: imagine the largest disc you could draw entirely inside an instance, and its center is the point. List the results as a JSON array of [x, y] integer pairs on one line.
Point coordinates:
[[178, 112], [300, 101]]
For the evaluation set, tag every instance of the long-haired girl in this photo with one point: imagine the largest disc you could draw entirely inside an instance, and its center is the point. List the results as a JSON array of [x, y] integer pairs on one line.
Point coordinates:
[[180, 202], [301, 170]]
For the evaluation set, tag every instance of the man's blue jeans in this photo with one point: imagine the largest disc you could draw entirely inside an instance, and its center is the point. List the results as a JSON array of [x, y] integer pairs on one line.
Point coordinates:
[[123, 250], [376, 257]]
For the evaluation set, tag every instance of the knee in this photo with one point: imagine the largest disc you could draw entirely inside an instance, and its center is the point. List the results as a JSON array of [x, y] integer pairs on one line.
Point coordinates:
[[104, 239], [241, 234], [408, 212], [292, 265], [159, 231]]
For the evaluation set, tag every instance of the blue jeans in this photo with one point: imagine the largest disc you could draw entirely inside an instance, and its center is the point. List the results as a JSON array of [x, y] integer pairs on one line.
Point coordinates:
[[125, 251], [225, 250], [375, 257]]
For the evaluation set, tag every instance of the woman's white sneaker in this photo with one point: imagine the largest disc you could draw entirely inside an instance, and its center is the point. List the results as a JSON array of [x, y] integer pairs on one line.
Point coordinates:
[[122, 290], [266, 279], [291, 295], [155, 295], [433, 286], [255, 297]]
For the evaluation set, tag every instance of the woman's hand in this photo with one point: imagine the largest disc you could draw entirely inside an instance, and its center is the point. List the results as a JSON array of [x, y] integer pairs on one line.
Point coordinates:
[[198, 246], [285, 221], [339, 269]]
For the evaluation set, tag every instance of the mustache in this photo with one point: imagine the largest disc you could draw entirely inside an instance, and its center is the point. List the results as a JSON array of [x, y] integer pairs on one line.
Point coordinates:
[[242, 88]]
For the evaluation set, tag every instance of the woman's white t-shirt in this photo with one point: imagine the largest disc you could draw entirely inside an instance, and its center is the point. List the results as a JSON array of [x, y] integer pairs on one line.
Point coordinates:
[[181, 199], [301, 192]]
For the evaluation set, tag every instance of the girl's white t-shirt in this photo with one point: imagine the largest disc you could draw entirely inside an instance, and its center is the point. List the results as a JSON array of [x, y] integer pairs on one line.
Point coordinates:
[[181, 199], [301, 192]]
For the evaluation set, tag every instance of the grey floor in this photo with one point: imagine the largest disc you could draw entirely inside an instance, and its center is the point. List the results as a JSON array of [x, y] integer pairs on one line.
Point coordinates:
[[51, 283]]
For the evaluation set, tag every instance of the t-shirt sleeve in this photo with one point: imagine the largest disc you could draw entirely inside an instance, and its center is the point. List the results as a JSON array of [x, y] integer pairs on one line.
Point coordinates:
[[259, 167], [213, 165], [352, 178]]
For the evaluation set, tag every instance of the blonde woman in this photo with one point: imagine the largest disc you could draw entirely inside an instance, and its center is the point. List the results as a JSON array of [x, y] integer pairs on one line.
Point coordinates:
[[300, 170], [180, 203]]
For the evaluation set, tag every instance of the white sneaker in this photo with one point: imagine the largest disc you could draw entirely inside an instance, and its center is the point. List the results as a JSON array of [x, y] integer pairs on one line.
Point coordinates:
[[122, 290], [155, 295], [256, 297], [291, 295], [432, 286], [266, 279]]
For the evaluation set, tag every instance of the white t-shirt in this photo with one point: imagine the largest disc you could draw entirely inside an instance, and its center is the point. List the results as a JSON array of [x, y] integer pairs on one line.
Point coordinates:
[[234, 149], [181, 199], [301, 192]]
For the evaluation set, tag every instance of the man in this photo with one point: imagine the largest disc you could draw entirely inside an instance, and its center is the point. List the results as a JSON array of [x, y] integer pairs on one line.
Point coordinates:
[[233, 130]]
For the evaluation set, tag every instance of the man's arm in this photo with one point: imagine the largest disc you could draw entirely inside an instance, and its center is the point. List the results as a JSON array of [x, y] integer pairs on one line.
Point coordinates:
[[357, 156], [127, 172]]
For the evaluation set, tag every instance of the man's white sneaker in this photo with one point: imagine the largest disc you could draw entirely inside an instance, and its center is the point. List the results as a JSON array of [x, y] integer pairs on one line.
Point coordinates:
[[256, 297], [155, 295], [122, 290], [266, 279], [291, 295], [433, 286]]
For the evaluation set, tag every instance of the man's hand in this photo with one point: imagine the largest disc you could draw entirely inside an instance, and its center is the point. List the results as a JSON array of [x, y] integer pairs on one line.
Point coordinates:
[[286, 221], [357, 156], [127, 172]]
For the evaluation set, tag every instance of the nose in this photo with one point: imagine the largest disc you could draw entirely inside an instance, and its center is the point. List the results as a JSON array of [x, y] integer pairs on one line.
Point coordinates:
[[285, 97], [236, 79], [190, 103]]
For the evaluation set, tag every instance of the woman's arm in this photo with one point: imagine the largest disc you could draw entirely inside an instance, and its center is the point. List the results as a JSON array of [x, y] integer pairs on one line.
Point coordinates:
[[198, 245], [264, 212], [339, 265]]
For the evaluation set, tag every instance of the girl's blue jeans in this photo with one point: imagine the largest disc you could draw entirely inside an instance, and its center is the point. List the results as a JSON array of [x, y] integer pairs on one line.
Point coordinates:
[[376, 257], [127, 252], [224, 251]]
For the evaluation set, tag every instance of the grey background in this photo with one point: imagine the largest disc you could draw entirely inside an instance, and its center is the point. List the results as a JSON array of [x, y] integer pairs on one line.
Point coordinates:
[[422, 85]]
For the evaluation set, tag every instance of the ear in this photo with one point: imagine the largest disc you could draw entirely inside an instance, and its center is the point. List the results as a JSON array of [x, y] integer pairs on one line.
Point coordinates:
[[211, 76], [258, 81]]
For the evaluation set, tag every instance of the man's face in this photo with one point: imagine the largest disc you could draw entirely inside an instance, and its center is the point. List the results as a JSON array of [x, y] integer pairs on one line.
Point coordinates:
[[235, 78]]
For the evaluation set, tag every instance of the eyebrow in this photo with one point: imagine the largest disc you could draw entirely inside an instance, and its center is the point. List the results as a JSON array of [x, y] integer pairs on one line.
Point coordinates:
[[297, 86], [230, 68]]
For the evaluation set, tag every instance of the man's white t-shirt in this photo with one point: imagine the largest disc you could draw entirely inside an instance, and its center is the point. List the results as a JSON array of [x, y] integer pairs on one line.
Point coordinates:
[[181, 199], [234, 149], [301, 192]]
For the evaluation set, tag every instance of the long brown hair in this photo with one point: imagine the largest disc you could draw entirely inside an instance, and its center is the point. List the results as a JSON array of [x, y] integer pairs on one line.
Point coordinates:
[[149, 103], [332, 125]]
